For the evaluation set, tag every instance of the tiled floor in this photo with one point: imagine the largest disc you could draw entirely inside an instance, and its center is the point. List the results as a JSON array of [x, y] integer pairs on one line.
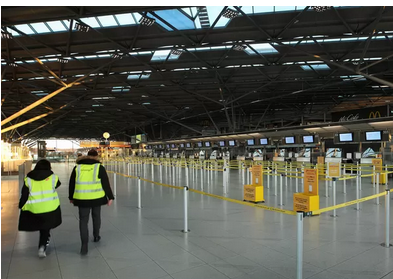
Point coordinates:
[[226, 240]]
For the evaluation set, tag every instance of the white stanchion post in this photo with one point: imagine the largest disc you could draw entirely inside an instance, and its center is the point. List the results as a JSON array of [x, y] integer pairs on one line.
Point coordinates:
[[286, 174], [248, 175], [114, 184], [334, 197], [299, 245], [224, 179], [275, 182], [187, 176], [360, 177], [302, 179], [344, 186], [281, 203], [386, 175], [327, 188], [374, 178], [297, 181], [185, 230], [139, 193], [387, 219], [268, 178], [357, 191], [377, 188]]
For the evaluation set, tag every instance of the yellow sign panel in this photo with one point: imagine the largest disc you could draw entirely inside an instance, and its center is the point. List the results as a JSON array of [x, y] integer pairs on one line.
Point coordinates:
[[253, 193], [257, 175], [378, 164], [311, 181], [305, 202], [321, 160], [333, 169]]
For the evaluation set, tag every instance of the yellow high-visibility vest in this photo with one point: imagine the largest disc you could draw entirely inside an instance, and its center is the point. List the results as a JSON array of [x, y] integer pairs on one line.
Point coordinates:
[[87, 184], [43, 197]]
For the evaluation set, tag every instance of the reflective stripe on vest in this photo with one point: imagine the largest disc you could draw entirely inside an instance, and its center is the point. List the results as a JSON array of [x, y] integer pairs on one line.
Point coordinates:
[[43, 197], [87, 184]]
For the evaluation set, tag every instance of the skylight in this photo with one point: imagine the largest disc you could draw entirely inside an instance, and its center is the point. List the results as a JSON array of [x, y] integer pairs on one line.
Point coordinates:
[[260, 48], [40, 27], [56, 26], [177, 19], [125, 19], [161, 55], [351, 77], [315, 67], [121, 89], [107, 21]]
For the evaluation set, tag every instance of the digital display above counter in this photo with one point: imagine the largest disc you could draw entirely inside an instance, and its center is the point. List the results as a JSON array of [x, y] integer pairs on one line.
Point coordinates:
[[221, 143], [250, 142], [182, 145], [208, 144], [263, 141], [199, 144], [374, 136], [188, 145], [232, 143], [289, 140], [308, 139], [345, 137]]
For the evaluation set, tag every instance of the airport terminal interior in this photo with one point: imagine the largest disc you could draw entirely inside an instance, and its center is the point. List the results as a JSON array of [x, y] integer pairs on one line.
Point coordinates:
[[240, 142]]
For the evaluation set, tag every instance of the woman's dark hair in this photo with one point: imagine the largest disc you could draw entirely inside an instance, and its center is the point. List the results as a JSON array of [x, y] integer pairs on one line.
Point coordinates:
[[43, 165]]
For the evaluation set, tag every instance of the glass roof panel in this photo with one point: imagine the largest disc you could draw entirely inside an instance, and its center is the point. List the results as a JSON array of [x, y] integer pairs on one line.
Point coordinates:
[[107, 21], [194, 11], [145, 76], [187, 11], [213, 12], [260, 48], [125, 19], [91, 21], [161, 55], [298, 8], [263, 9], [315, 67], [248, 9], [133, 76], [25, 29], [159, 21], [14, 33], [40, 27], [137, 17], [176, 19], [284, 8], [56, 26]]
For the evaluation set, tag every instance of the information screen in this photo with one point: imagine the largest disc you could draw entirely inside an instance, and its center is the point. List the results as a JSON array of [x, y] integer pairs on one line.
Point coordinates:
[[231, 143], [289, 140], [308, 139], [250, 142], [199, 144], [160, 146], [346, 137], [188, 144], [167, 146], [173, 145], [263, 141], [182, 145], [207, 144], [221, 143], [376, 135]]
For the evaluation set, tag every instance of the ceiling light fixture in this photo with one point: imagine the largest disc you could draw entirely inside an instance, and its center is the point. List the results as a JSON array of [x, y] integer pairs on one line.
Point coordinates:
[[82, 27], [6, 35], [320, 9], [239, 47], [177, 52], [12, 64], [229, 13], [62, 60], [148, 21]]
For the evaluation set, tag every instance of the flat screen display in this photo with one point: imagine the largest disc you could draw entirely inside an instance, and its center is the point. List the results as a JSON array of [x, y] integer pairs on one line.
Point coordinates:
[[232, 143], [188, 145], [308, 139], [199, 144], [221, 143], [250, 142], [173, 145], [289, 140], [207, 144], [182, 145], [167, 146], [346, 137], [263, 141], [160, 146], [375, 135]]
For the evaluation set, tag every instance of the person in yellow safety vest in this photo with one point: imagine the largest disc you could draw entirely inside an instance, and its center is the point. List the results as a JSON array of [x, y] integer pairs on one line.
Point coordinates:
[[39, 204], [89, 189]]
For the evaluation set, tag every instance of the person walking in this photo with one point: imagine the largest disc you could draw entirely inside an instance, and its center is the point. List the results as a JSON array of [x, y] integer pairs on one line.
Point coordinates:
[[39, 204], [89, 189]]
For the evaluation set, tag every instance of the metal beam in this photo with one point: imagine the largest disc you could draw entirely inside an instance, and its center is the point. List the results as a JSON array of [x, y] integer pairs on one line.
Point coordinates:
[[211, 119], [263, 115], [376, 62]]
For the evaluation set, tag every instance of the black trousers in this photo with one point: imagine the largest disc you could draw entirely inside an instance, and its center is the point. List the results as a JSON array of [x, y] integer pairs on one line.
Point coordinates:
[[44, 237], [84, 213]]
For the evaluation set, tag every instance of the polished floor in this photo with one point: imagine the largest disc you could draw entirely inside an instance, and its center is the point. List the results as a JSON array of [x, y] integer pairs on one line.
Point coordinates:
[[226, 240]]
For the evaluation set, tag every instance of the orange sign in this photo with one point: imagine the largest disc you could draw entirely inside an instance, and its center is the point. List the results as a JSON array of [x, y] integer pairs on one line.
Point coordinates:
[[333, 169], [378, 164], [311, 181], [257, 178], [321, 160]]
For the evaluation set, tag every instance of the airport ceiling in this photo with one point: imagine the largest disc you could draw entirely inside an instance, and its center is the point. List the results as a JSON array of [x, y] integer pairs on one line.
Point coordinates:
[[175, 71]]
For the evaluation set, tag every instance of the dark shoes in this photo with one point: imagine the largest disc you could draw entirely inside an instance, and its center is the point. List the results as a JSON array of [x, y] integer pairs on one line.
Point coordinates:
[[97, 238], [84, 249]]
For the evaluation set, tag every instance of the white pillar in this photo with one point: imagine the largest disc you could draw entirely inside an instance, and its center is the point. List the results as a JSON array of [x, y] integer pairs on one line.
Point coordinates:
[[299, 245]]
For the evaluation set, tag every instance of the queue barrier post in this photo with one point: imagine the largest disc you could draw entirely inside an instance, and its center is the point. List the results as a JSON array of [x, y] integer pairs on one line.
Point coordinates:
[[387, 220], [281, 202], [299, 245], [357, 191], [297, 182], [387, 175], [139, 193], [275, 182], [268, 177], [334, 196], [114, 184], [377, 188], [185, 230]]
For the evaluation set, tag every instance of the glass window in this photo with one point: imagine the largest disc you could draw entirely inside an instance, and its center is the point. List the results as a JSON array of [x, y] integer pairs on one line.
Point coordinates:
[[300, 8], [56, 26], [137, 17], [260, 48], [40, 27], [187, 11], [176, 19], [125, 19], [14, 33], [248, 9], [25, 29], [315, 67], [263, 9], [213, 12], [133, 76], [91, 21], [107, 21], [284, 8], [160, 55]]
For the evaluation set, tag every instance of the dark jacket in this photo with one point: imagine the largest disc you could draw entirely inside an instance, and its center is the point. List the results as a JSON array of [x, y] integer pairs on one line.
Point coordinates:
[[88, 160], [29, 221]]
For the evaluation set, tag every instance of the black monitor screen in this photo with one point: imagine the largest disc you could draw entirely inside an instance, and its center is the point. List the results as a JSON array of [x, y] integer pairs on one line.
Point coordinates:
[[375, 135], [250, 142], [308, 139], [188, 144], [263, 141], [346, 137], [289, 140], [232, 143], [182, 145], [207, 144], [222, 143]]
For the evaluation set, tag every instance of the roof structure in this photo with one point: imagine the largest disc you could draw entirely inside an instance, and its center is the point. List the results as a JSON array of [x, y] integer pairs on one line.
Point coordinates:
[[175, 71]]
